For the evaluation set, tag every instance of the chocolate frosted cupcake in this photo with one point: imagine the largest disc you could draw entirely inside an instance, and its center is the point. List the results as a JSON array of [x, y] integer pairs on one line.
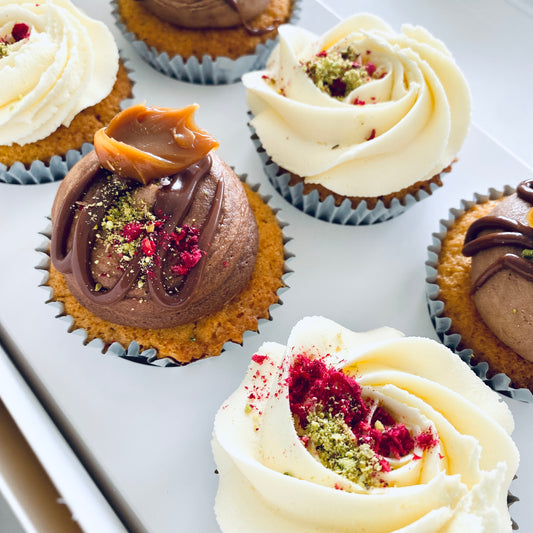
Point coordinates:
[[205, 41], [358, 124], [62, 81], [156, 240], [481, 280]]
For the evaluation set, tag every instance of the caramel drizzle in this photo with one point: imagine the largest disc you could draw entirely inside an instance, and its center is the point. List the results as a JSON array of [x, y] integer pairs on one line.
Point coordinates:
[[234, 4], [173, 201], [508, 232]]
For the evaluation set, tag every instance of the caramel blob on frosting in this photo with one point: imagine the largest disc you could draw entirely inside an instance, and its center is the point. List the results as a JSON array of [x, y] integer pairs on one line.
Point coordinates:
[[148, 143]]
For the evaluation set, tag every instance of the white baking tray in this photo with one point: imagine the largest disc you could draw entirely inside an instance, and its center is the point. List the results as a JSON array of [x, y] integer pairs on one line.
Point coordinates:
[[128, 445]]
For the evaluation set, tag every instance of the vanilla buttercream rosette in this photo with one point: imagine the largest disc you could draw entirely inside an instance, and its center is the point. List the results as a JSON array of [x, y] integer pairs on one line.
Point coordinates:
[[65, 63], [456, 481], [398, 129]]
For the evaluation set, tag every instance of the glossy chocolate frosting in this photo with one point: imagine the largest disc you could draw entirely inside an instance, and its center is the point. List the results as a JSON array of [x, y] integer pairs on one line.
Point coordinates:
[[206, 13], [153, 253], [502, 273]]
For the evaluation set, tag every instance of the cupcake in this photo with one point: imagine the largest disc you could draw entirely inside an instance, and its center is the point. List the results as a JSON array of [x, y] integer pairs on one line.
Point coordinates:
[[62, 81], [358, 124], [480, 279], [342, 431], [200, 41], [156, 240]]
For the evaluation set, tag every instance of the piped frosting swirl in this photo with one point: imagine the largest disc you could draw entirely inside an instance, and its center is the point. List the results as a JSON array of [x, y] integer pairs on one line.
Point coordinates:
[[160, 253], [208, 13], [65, 63], [361, 110], [342, 431]]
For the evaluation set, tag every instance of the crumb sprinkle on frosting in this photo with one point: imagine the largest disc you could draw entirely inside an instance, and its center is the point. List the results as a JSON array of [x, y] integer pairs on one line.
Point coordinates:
[[129, 228], [352, 436], [339, 71], [19, 32]]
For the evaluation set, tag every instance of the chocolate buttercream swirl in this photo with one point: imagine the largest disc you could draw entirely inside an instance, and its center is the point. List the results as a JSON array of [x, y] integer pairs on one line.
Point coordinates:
[[498, 230], [143, 248], [210, 13], [172, 202], [207, 196]]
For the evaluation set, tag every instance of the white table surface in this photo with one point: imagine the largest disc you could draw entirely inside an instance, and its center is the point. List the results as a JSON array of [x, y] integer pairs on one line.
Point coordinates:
[[104, 427]]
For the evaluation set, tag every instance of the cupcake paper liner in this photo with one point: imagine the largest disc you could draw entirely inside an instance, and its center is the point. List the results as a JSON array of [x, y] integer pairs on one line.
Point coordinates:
[[208, 71], [40, 172], [443, 325], [326, 209], [511, 498], [132, 352]]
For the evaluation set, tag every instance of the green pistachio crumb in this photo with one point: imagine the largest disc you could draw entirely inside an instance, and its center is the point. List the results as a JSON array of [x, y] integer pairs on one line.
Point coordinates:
[[126, 210], [339, 71], [527, 254], [336, 447], [247, 408]]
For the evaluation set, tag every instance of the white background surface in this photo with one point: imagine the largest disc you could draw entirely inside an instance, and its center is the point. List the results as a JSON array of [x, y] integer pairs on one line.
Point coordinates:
[[144, 433]]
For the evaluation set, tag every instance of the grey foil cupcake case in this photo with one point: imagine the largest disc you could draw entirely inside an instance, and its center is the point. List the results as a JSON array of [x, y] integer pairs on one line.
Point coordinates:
[[327, 210]]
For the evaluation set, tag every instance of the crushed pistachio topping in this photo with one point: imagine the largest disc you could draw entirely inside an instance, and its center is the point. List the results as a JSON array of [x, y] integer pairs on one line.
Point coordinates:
[[125, 225], [338, 72], [351, 434], [129, 229], [527, 254], [4, 50], [335, 445]]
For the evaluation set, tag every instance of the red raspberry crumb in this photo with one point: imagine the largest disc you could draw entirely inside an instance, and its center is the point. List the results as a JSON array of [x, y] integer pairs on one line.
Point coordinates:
[[20, 31], [370, 68], [132, 231], [148, 246]]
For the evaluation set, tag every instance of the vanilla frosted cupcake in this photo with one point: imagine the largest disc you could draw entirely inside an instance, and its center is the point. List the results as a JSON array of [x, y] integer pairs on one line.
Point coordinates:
[[204, 41], [62, 81], [343, 431], [360, 122], [156, 240]]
